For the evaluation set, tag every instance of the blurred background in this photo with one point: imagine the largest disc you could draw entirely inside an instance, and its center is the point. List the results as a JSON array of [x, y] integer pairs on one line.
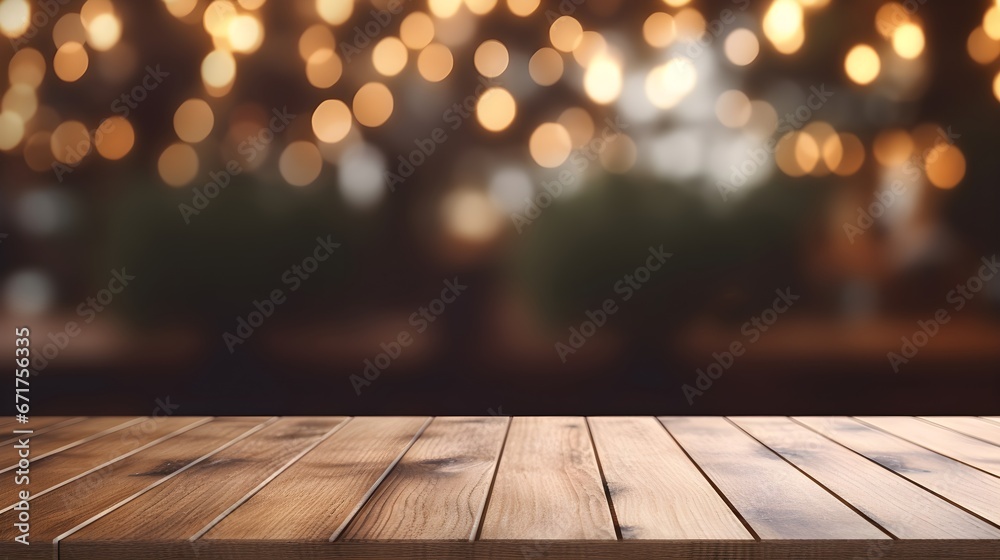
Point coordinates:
[[502, 207]]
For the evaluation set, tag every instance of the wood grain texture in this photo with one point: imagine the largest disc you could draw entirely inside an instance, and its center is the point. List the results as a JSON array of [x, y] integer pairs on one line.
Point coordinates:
[[67, 437], [315, 498], [57, 512], [899, 506], [775, 499], [960, 447], [391, 487], [657, 492], [38, 424], [978, 428], [548, 485], [178, 509], [56, 469], [963, 485], [438, 490]]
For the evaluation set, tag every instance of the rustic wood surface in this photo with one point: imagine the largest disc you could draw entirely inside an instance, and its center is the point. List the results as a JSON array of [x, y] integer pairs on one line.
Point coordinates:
[[500, 487]]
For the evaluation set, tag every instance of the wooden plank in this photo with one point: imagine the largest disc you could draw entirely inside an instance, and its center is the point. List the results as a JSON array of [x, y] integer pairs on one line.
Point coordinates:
[[330, 484], [548, 484], [178, 509], [438, 490], [53, 470], [38, 424], [656, 490], [970, 426], [57, 512], [67, 437], [775, 499], [901, 507], [963, 485], [960, 447]]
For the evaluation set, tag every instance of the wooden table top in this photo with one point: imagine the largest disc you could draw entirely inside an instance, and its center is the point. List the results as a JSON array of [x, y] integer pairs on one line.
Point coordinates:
[[500, 487]]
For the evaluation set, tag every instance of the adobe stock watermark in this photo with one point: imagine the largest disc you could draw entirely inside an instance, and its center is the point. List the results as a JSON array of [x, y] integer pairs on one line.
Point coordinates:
[[87, 310], [420, 320], [291, 279], [426, 146], [756, 157], [250, 148], [625, 288], [123, 105], [580, 159], [752, 331], [885, 198], [958, 297]]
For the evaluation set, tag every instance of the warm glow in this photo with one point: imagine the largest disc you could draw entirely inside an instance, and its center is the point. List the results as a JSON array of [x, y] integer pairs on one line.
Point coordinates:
[[862, 64], [786, 157], [742, 47], [733, 108], [579, 124], [852, 155], [22, 100], [300, 163], [982, 48], [324, 68], [373, 104], [668, 84], [104, 31], [389, 56], [70, 62], [314, 38], [193, 120], [659, 30], [893, 147], [334, 12], [11, 130], [178, 165], [828, 150], [435, 62], [245, 34], [491, 58], [217, 17], [15, 17], [218, 69], [69, 28], [996, 87], [114, 138], [565, 33], [444, 8], [480, 7], [550, 145], [417, 30], [603, 80], [496, 109], [592, 45], [70, 142], [180, 8], [470, 216], [945, 166], [545, 66], [27, 66], [783, 21], [908, 40], [331, 121], [690, 24], [991, 23], [522, 8]]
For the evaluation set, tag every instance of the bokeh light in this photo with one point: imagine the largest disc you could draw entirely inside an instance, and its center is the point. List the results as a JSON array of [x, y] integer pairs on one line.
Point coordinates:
[[545, 66], [331, 121], [114, 138], [495, 109], [862, 64], [178, 164], [491, 58], [435, 62], [300, 163], [373, 104], [550, 145]]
